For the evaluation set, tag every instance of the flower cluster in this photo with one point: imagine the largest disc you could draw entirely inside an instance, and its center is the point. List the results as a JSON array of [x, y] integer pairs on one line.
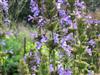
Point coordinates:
[[61, 70], [65, 18], [35, 14], [4, 4], [70, 36], [91, 45], [42, 40], [79, 9]]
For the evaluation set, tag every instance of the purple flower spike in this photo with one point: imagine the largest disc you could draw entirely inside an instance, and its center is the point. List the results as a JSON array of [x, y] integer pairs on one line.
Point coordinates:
[[39, 45], [34, 8]]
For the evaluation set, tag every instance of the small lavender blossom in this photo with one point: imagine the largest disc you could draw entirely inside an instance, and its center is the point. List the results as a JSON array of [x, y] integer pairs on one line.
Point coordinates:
[[62, 13], [78, 13], [44, 38], [92, 43], [80, 4], [37, 58], [51, 68], [67, 20], [68, 72], [56, 39], [89, 21], [63, 43], [60, 1], [75, 26], [39, 45], [92, 21], [69, 37], [89, 51], [8, 33], [5, 5], [33, 68], [41, 21], [68, 50], [30, 53], [60, 69], [25, 58]]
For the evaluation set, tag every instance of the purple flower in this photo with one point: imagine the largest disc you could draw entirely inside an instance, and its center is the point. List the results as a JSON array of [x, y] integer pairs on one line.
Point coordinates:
[[34, 8], [7, 21], [30, 17], [9, 33], [37, 58], [60, 69], [75, 25], [89, 51], [62, 13], [66, 20], [68, 50], [44, 38], [41, 21], [33, 68], [69, 37], [68, 72], [5, 5], [56, 39], [78, 14], [93, 21], [60, 1], [63, 43], [39, 45], [51, 68], [25, 58], [92, 43], [89, 21], [80, 4]]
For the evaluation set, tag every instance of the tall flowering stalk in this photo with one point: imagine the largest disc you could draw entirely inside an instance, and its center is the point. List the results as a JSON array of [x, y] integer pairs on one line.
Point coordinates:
[[5, 8]]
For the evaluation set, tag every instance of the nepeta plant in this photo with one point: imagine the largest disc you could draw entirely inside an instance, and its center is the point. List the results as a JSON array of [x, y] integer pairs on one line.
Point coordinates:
[[66, 37]]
